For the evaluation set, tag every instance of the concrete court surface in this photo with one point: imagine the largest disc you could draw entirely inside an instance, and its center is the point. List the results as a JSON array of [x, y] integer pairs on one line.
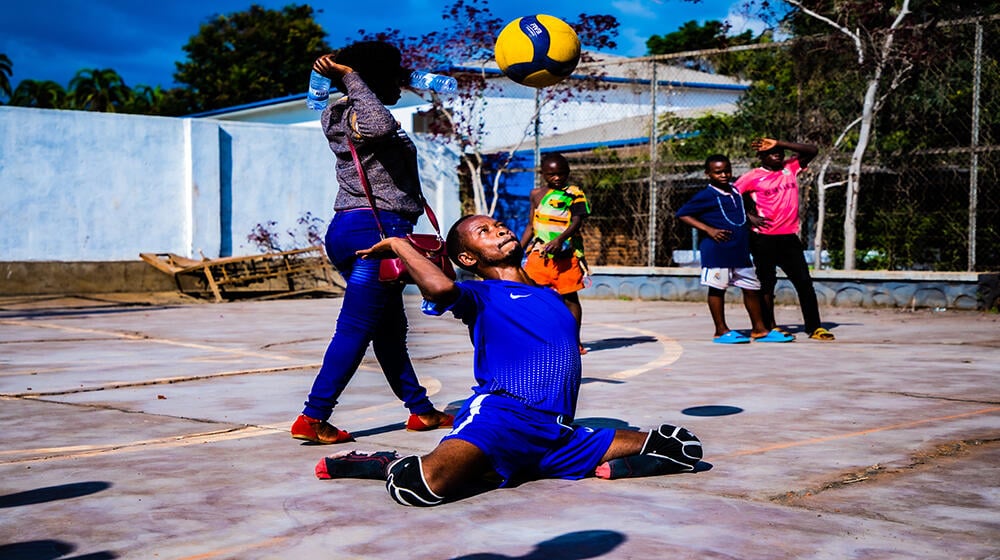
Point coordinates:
[[159, 431]]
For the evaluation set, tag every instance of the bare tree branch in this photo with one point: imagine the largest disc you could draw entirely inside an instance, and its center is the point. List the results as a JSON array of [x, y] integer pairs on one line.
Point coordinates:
[[854, 35]]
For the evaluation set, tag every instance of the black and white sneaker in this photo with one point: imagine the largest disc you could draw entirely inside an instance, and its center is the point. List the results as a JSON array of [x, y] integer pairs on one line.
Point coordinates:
[[355, 464]]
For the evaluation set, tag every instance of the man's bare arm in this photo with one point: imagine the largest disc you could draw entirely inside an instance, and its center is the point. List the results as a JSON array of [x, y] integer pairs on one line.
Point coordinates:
[[433, 284]]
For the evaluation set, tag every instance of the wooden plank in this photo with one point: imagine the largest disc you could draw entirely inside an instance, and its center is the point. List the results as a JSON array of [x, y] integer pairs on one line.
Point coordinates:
[[301, 270]]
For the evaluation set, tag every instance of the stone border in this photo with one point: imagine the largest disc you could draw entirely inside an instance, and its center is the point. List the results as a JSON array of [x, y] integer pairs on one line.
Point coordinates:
[[863, 288]]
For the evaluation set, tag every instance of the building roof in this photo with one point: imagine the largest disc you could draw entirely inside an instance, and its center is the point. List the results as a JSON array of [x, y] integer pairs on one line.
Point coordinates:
[[625, 70], [630, 131]]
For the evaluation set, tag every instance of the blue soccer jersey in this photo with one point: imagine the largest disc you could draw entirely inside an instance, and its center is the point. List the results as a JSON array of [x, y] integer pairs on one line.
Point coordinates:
[[525, 343], [721, 210]]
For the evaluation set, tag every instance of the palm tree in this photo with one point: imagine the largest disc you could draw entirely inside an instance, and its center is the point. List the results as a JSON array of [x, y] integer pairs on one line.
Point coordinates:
[[144, 100], [41, 94], [98, 90], [6, 71]]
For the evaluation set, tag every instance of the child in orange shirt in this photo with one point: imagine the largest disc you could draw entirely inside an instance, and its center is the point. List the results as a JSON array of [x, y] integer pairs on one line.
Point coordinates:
[[552, 240]]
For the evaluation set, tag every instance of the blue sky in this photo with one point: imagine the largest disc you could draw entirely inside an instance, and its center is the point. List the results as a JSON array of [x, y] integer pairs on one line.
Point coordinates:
[[142, 40]]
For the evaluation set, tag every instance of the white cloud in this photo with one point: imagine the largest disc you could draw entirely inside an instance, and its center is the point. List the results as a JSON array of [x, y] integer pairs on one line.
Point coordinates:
[[740, 22], [636, 8]]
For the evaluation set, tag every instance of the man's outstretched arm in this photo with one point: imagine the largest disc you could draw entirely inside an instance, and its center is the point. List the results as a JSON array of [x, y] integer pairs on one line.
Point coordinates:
[[433, 284]]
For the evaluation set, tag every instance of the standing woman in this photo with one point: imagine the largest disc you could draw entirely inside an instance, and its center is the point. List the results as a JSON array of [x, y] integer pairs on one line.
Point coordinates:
[[370, 75]]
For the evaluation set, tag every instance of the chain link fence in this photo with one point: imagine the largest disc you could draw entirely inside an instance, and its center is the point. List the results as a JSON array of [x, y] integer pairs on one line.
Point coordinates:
[[929, 194]]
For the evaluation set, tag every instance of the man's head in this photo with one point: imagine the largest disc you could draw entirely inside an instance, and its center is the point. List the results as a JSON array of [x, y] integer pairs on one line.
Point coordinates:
[[773, 159], [379, 64], [555, 171], [476, 243], [719, 170]]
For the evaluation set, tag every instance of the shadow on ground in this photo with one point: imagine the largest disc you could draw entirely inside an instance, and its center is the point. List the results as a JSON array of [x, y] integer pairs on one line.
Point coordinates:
[[577, 545]]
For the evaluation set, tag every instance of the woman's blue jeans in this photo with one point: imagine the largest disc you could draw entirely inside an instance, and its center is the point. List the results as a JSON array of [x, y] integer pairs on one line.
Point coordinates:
[[371, 313]]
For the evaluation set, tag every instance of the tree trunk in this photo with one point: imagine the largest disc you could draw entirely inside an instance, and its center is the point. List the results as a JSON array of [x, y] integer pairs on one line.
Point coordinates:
[[820, 221], [854, 171], [478, 192]]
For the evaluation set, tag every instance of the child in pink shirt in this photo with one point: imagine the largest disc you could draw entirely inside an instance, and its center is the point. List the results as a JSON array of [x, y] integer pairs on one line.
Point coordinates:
[[776, 195], [774, 241]]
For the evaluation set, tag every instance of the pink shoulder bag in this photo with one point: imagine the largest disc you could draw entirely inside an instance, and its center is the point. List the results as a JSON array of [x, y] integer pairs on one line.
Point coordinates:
[[431, 246]]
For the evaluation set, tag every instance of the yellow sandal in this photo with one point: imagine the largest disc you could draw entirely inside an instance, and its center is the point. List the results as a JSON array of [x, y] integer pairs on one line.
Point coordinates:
[[822, 334]]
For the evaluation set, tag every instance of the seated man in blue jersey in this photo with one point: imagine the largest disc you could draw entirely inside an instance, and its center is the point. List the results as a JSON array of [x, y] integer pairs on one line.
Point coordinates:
[[518, 424]]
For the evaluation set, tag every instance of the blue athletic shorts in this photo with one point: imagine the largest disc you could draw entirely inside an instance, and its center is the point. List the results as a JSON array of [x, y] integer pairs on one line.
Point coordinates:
[[525, 444]]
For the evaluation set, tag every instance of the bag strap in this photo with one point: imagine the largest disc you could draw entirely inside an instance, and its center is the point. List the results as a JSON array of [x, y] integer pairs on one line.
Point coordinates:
[[364, 184], [371, 199], [430, 216]]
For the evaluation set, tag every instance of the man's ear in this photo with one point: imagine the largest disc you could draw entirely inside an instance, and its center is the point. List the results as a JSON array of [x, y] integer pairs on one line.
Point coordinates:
[[466, 259]]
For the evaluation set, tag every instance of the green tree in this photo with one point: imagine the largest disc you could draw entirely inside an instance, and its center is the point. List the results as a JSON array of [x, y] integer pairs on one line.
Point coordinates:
[[176, 102], [41, 94], [98, 90], [6, 70], [251, 56], [144, 100], [694, 37]]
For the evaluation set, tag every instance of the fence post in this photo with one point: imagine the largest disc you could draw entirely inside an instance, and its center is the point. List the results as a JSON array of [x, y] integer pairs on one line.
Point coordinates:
[[537, 152], [651, 259], [974, 163]]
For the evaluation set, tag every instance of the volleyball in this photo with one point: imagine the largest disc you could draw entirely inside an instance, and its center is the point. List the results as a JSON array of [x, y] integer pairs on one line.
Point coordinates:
[[537, 51]]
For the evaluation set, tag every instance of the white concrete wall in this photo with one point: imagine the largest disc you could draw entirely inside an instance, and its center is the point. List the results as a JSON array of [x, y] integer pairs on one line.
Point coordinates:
[[79, 186]]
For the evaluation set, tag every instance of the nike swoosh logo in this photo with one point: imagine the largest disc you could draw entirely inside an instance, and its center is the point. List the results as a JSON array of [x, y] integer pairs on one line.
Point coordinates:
[[519, 296]]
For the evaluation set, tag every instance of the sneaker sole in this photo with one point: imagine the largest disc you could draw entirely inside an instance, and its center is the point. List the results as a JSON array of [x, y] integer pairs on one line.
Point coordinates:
[[428, 429]]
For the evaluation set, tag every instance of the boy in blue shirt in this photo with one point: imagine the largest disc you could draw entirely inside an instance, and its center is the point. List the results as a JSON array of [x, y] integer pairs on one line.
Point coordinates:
[[518, 424], [717, 211]]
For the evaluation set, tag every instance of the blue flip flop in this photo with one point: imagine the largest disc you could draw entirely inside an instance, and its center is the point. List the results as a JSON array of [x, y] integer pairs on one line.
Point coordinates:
[[775, 336], [731, 337]]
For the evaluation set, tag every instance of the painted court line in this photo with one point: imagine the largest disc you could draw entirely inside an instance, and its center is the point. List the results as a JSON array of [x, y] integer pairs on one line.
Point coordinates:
[[158, 381], [146, 338], [672, 351], [899, 426], [77, 451], [432, 385], [236, 551]]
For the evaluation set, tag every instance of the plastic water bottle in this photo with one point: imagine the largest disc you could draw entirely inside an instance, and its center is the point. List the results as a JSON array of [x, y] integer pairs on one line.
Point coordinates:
[[319, 91], [433, 82], [319, 86]]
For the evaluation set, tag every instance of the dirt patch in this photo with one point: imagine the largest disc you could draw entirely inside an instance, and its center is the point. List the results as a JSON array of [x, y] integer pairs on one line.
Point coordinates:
[[918, 461]]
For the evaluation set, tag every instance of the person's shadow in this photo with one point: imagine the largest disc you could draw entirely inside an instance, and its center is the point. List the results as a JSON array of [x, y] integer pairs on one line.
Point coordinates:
[[49, 549], [53, 493], [577, 545], [801, 329], [619, 342]]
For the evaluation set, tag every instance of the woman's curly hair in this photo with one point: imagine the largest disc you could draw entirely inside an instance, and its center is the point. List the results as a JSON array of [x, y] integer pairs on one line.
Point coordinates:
[[376, 62]]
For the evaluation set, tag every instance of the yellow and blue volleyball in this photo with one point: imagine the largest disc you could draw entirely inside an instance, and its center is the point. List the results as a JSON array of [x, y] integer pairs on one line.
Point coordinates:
[[537, 51]]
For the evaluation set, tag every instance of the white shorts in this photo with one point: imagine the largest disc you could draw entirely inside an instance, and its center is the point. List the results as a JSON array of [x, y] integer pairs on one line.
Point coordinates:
[[722, 278]]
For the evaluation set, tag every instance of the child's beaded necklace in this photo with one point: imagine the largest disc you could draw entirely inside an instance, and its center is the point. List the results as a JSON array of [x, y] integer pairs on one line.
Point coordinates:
[[735, 204]]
